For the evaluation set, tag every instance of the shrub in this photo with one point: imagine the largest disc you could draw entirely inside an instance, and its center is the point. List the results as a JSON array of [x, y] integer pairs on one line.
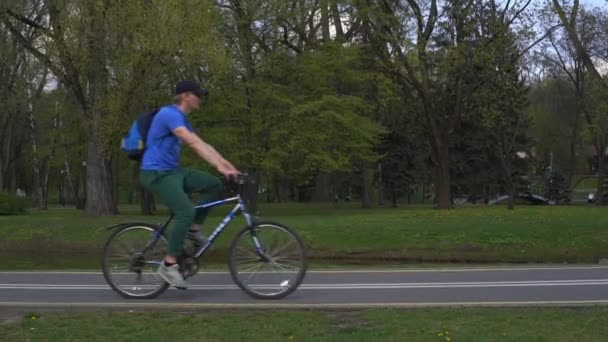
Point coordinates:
[[11, 204]]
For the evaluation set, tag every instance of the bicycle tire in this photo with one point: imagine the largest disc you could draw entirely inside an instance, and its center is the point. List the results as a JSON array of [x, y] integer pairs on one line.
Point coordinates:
[[234, 272], [163, 287]]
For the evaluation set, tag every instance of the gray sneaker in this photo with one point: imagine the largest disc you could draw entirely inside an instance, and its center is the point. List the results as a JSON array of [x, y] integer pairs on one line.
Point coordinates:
[[197, 236], [172, 275]]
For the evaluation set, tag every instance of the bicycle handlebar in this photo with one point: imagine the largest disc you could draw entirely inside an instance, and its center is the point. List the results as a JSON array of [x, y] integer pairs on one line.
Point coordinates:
[[242, 179]]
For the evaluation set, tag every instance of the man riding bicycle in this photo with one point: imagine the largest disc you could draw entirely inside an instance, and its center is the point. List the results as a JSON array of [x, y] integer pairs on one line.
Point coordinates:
[[162, 174]]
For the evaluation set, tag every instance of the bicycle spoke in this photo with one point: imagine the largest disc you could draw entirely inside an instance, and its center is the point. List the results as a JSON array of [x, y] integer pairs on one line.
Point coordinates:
[[252, 274], [130, 272], [283, 248], [275, 262], [251, 268], [248, 251], [278, 266]]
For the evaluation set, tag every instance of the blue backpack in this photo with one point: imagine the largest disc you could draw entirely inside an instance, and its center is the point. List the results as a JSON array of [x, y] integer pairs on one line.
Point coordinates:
[[134, 142]]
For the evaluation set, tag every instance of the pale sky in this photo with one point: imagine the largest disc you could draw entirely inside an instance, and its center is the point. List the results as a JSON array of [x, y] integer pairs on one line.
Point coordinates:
[[594, 3]]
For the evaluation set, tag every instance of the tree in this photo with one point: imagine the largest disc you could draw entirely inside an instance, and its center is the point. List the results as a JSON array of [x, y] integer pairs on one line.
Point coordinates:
[[91, 46], [556, 188], [283, 67], [13, 126], [500, 96], [399, 164], [588, 36]]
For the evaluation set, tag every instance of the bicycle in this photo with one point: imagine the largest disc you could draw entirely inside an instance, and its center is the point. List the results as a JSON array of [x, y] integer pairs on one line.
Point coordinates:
[[135, 280]]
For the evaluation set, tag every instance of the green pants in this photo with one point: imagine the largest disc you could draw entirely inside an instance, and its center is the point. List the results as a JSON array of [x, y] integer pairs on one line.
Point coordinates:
[[173, 188]]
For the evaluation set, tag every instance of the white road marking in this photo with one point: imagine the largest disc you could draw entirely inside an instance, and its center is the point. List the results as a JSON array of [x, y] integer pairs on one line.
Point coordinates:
[[403, 270], [336, 286]]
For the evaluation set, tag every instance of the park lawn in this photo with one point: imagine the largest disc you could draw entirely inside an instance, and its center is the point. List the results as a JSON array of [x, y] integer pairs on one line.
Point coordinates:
[[440, 324], [64, 238]]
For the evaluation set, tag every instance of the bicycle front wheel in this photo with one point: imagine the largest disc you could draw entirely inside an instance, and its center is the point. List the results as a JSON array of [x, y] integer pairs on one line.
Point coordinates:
[[131, 259], [267, 261]]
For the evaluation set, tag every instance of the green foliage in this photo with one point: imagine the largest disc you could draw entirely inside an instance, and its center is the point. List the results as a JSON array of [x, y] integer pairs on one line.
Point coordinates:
[[556, 187], [306, 114], [11, 204], [555, 122], [475, 165], [499, 101], [289, 98]]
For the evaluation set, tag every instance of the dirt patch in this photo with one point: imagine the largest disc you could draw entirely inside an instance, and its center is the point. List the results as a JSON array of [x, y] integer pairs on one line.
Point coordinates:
[[467, 247], [348, 321]]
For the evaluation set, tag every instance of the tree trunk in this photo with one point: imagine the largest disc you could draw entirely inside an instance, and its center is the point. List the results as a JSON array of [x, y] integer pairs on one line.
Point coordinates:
[[2, 172], [71, 183], [424, 191], [48, 164], [443, 181], [573, 35], [380, 186], [325, 19], [13, 175], [116, 179], [394, 196], [335, 11], [511, 193], [245, 43], [365, 188], [99, 194], [508, 179], [146, 202], [322, 187], [573, 159], [36, 184], [5, 154], [284, 192], [601, 173], [251, 191], [100, 197], [61, 189]]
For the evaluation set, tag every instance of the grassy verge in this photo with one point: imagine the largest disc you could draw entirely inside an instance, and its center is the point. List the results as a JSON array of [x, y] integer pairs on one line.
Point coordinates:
[[458, 324], [548, 234]]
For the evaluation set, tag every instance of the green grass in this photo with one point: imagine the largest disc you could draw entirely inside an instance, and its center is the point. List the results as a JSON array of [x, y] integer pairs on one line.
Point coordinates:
[[345, 234], [456, 324]]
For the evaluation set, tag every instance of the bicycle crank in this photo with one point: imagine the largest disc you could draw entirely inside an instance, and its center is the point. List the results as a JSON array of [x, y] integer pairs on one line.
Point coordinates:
[[188, 266]]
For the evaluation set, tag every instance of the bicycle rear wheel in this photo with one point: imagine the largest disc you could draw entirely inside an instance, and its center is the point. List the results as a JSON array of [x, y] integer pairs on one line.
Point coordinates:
[[274, 268], [128, 269]]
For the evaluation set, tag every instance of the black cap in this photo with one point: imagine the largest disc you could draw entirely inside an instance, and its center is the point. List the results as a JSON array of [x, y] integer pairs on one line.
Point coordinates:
[[193, 86]]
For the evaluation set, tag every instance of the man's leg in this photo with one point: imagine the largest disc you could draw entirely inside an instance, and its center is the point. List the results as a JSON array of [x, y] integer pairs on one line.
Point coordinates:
[[167, 185], [207, 185]]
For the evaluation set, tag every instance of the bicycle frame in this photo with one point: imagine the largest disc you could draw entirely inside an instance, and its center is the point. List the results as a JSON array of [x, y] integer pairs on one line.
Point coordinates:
[[240, 206]]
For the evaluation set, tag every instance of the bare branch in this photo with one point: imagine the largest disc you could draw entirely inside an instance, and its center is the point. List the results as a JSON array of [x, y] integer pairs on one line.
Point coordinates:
[[27, 44], [504, 11], [521, 10], [27, 21], [549, 31], [574, 38], [561, 60], [418, 14]]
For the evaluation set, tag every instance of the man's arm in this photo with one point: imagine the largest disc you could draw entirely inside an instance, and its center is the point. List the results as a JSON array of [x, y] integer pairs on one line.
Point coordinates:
[[203, 149]]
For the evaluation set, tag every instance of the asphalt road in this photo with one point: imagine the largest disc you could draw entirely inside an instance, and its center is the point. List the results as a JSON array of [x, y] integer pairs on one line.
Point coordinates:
[[327, 289]]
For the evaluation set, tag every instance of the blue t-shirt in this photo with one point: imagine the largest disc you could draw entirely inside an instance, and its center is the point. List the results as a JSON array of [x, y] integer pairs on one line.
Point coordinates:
[[162, 147]]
